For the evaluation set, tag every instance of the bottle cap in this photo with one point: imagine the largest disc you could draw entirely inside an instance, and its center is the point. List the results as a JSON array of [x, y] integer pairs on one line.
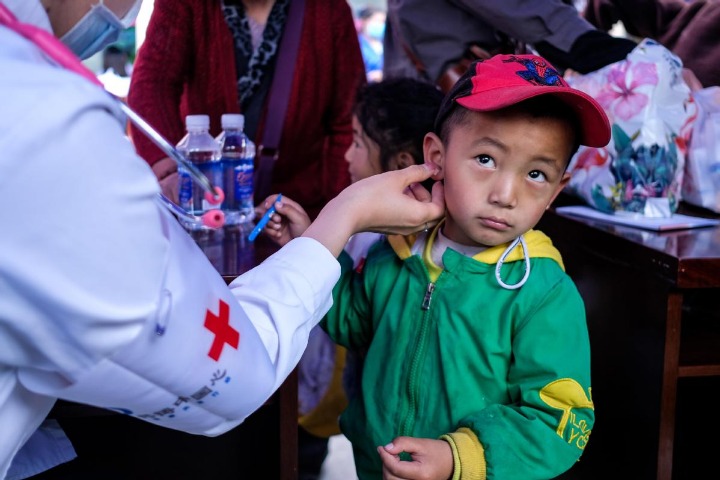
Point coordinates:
[[197, 121], [232, 120]]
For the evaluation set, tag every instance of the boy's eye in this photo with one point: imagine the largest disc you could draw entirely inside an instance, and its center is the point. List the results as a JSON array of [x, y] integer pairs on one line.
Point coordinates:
[[485, 160], [537, 176]]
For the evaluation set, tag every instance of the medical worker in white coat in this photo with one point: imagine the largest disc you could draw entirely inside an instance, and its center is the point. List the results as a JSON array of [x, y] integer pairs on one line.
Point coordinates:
[[105, 299]]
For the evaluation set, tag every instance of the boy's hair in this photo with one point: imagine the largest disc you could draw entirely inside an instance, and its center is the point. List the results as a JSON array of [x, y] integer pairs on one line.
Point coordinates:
[[529, 83], [396, 114]]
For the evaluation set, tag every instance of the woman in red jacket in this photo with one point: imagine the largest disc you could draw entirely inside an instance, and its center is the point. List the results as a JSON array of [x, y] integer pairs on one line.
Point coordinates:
[[219, 56]]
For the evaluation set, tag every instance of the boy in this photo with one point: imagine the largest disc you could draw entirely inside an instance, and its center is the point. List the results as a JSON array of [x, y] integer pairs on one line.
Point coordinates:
[[478, 362], [463, 343]]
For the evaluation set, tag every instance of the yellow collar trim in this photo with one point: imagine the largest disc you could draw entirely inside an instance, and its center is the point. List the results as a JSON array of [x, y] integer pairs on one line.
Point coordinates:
[[539, 246]]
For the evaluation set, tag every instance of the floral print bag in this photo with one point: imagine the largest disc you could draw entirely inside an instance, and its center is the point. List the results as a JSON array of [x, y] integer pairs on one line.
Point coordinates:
[[701, 186], [651, 110]]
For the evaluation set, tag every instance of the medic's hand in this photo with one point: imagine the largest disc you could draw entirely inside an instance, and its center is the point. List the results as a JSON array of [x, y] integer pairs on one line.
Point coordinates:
[[431, 459], [390, 202], [165, 170], [289, 221]]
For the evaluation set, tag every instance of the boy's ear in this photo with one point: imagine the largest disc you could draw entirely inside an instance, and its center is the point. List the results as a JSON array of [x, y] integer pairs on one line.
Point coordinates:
[[563, 181], [434, 153]]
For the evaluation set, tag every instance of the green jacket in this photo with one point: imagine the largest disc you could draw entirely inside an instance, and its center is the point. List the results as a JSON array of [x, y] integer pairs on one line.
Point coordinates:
[[503, 375]]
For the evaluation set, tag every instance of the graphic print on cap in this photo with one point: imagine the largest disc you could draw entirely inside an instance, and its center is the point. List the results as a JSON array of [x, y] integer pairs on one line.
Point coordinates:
[[538, 72]]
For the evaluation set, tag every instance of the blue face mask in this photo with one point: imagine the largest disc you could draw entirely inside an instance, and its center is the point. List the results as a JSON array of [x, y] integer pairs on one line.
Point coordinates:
[[96, 30], [376, 30]]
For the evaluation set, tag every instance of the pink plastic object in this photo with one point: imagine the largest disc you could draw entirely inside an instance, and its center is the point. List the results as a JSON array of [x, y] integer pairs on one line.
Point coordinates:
[[213, 218], [211, 198]]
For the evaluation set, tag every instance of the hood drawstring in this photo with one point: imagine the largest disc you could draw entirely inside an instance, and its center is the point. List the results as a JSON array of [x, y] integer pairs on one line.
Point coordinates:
[[526, 256]]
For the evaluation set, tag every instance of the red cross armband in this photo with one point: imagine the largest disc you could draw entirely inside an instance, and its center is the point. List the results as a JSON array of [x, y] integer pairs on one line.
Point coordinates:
[[199, 366]]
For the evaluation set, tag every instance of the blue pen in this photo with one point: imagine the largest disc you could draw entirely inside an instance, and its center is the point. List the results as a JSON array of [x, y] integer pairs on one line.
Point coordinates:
[[264, 220]]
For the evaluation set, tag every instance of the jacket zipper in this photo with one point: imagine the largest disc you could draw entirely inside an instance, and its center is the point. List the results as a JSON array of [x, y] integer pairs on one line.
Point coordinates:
[[409, 421], [428, 296]]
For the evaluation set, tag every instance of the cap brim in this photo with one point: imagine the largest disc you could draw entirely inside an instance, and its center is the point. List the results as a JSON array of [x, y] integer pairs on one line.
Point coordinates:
[[594, 124]]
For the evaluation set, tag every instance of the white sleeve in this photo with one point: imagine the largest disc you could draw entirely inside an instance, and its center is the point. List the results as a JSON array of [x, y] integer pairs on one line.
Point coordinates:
[[286, 296], [210, 357]]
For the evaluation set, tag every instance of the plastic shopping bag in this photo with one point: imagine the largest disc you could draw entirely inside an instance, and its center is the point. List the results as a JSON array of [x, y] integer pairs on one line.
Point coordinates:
[[651, 111], [702, 170]]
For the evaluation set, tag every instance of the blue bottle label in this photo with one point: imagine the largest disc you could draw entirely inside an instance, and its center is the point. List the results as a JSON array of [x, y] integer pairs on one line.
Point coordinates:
[[185, 193], [244, 184]]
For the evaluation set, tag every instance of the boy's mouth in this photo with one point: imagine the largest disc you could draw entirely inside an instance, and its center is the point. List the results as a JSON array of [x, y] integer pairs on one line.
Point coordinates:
[[495, 223]]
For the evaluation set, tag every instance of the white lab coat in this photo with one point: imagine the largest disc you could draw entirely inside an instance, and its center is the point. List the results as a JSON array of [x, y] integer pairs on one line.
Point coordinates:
[[92, 267]]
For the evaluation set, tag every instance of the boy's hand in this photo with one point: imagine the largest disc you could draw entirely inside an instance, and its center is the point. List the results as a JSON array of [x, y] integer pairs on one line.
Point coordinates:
[[431, 459], [288, 222]]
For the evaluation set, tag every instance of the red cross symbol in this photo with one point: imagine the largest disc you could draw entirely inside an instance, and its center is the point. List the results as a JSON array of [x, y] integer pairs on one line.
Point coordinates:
[[224, 333]]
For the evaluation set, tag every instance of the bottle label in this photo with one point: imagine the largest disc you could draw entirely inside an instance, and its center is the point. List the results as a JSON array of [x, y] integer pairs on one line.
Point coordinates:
[[244, 184], [185, 190]]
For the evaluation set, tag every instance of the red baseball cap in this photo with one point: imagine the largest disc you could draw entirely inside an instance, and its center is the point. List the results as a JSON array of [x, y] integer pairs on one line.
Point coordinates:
[[504, 80]]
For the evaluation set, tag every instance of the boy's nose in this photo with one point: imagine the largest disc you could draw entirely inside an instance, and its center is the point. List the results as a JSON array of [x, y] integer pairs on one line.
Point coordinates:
[[504, 191]]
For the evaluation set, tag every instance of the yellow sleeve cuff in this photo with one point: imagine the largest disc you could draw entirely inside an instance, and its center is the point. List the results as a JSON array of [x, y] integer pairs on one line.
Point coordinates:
[[468, 455]]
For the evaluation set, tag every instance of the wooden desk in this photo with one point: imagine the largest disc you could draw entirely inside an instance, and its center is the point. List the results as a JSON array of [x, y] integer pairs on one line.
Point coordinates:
[[651, 301]]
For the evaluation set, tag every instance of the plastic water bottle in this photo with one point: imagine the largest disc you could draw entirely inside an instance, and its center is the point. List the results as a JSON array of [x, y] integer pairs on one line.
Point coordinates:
[[237, 157], [203, 151]]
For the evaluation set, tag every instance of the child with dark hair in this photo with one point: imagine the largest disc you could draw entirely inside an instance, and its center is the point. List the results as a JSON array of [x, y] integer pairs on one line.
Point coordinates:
[[390, 120]]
